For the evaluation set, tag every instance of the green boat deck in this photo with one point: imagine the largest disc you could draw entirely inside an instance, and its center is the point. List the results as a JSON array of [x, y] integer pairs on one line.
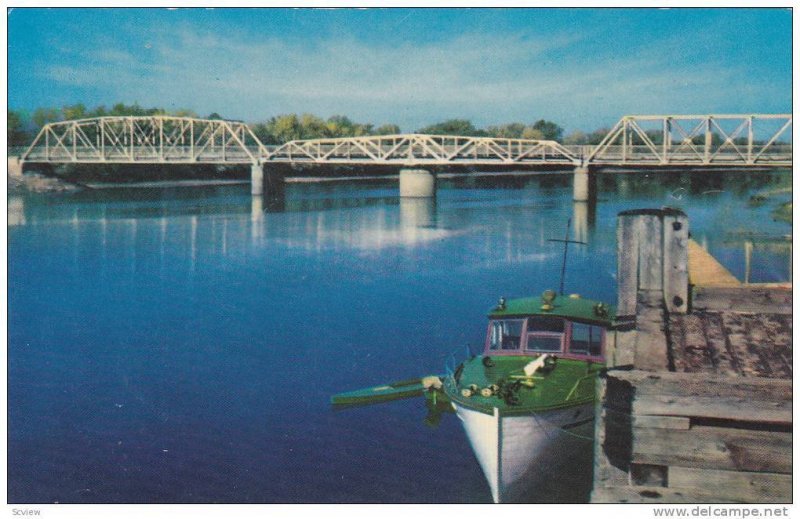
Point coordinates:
[[569, 383]]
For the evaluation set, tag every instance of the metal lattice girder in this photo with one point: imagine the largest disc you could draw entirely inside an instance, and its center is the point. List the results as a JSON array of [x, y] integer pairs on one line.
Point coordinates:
[[697, 140], [636, 140], [149, 139], [423, 149]]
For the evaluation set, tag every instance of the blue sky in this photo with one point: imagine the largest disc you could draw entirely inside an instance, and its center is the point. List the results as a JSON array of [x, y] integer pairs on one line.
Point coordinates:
[[583, 68]]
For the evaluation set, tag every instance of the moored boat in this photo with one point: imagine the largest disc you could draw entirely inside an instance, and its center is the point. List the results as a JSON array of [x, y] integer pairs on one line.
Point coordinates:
[[527, 401]]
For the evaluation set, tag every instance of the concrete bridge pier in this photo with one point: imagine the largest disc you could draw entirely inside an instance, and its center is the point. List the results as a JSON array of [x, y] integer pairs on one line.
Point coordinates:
[[263, 181], [419, 183], [584, 185], [257, 179]]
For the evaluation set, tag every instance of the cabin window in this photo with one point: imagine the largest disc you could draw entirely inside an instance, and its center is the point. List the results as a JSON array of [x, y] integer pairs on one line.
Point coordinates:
[[546, 324], [586, 339], [545, 334], [505, 334]]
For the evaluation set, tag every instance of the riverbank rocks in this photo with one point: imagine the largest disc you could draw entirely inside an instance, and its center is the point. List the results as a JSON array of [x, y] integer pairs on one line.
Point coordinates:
[[32, 182]]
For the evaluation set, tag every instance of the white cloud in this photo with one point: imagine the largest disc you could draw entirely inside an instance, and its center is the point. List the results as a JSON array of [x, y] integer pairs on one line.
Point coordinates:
[[490, 78]]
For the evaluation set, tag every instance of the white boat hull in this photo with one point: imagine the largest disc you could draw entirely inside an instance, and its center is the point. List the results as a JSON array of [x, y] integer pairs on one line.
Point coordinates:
[[522, 455]]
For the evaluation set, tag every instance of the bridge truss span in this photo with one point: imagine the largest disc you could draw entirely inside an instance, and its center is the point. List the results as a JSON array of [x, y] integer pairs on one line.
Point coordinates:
[[418, 149], [746, 140], [697, 140], [145, 139]]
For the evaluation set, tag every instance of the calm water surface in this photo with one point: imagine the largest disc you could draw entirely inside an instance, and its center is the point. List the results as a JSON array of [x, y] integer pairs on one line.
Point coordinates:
[[181, 345]]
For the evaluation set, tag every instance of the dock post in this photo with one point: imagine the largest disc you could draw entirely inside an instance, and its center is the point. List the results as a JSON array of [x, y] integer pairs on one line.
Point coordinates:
[[627, 265], [257, 179], [15, 166], [584, 185], [417, 183], [652, 255], [676, 261]]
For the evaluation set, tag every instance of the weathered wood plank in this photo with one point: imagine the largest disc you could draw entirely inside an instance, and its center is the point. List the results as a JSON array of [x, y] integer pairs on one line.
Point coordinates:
[[627, 265], [651, 341], [675, 262], [688, 345], [768, 340], [653, 495], [749, 487], [723, 408], [721, 356], [705, 270], [661, 422], [744, 299], [714, 447], [691, 384], [605, 474], [651, 251]]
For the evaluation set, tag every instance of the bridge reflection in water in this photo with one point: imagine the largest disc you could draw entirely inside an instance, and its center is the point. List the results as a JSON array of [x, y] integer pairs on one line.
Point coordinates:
[[316, 217]]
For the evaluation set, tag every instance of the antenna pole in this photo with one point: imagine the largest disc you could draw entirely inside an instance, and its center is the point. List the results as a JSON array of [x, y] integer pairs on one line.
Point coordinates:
[[564, 261], [566, 241]]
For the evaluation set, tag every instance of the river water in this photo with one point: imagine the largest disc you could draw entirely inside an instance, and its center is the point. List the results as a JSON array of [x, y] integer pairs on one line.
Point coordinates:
[[181, 345]]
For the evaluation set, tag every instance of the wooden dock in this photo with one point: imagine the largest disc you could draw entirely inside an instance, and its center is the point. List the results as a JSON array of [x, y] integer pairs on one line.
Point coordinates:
[[705, 270], [696, 405]]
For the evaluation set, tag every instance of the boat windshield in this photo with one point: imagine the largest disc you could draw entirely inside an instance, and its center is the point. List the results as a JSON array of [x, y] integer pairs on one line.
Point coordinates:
[[505, 334], [545, 334]]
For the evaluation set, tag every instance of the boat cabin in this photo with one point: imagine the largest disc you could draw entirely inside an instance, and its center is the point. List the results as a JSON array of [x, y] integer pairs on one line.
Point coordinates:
[[566, 326]]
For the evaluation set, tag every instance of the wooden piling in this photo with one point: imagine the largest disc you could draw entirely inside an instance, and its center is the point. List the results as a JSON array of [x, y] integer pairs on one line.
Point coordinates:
[[652, 256]]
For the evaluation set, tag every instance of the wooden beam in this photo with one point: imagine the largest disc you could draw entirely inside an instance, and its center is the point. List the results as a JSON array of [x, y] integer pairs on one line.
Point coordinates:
[[747, 487], [653, 495], [714, 447]]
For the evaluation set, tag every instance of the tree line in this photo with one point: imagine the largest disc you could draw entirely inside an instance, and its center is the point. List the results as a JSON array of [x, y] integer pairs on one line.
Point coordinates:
[[23, 126]]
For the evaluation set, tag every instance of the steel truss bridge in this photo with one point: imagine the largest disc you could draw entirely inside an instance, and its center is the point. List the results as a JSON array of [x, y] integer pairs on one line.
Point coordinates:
[[637, 141]]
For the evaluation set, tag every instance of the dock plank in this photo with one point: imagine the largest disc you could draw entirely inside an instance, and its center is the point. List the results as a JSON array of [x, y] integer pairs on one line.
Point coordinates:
[[750, 487], [692, 384], [715, 407], [705, 270], [743, 299], [715, 448], [654, 495]]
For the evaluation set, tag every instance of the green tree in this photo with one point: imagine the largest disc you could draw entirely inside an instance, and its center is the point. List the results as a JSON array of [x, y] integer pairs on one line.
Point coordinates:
[[576, 137], [550, 130], [597, 136], [99, 111], [184, 112], [263, 132], [42, 116], [453, 127], [339, 126], [72, 112], [285, 128], [387, 129], [532, 133], [312, 127], [17, 136], [361, 129], [506, 131]]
